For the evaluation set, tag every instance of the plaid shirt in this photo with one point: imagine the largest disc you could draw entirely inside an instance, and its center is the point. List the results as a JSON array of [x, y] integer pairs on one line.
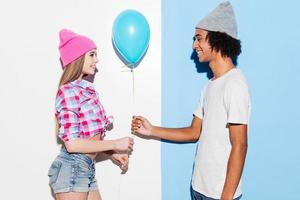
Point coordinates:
[[79, 111]]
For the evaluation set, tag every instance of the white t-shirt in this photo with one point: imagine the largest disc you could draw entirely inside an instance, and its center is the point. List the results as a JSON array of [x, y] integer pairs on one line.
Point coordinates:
[[223, 100]]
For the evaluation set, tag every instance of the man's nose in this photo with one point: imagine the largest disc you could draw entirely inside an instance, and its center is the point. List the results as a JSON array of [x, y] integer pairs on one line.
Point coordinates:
[[194, 44]]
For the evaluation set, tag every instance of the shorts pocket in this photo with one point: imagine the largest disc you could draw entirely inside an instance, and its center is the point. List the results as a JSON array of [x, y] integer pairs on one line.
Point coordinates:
[[83, 170], [54, 171]]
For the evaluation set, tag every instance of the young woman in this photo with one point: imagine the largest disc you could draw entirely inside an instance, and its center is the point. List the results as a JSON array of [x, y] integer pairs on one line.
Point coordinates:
[[82, 123]]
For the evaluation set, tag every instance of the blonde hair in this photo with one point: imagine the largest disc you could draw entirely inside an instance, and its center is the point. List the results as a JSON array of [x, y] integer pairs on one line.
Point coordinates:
[[71, 73]]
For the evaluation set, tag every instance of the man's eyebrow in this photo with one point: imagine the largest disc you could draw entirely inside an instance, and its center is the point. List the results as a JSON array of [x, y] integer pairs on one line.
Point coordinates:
[[198, 35]]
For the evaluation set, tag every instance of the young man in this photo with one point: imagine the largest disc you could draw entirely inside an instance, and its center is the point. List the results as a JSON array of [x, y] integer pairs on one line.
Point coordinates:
[[221, 120]]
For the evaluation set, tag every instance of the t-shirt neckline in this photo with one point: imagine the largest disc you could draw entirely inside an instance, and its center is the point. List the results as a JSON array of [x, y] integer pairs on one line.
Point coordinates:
[[224, 75]]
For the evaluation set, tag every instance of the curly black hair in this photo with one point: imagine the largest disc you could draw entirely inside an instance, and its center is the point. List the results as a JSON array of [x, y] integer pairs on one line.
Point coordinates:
[[227, 45]]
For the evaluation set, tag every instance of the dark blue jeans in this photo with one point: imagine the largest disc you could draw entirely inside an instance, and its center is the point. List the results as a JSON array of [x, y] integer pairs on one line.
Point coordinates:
[[198, 196]]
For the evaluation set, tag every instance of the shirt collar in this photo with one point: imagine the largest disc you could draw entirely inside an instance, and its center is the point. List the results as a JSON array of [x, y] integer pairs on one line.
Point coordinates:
[[83, 84]]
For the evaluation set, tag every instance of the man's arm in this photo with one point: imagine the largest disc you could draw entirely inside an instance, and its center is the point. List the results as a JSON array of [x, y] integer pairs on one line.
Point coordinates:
[[187, 134], [238, 140]]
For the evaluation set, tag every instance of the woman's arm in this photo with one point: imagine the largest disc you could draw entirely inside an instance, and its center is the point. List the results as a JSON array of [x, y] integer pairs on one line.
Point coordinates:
[[92, 146]]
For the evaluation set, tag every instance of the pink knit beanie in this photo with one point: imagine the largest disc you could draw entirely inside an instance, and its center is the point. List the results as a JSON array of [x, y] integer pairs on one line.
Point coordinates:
[[72, 46]]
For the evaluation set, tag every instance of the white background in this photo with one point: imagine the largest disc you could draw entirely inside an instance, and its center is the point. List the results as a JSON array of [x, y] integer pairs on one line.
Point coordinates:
[[30, 72]]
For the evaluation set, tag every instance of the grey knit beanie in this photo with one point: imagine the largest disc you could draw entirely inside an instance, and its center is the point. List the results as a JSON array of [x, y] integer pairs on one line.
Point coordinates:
[[221, 19]]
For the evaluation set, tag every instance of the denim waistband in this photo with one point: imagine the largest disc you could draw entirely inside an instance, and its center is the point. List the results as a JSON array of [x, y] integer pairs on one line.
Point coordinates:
[[76, 156]]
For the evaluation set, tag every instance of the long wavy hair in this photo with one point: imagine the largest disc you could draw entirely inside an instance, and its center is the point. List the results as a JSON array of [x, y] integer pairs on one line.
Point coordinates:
[[71, 73]]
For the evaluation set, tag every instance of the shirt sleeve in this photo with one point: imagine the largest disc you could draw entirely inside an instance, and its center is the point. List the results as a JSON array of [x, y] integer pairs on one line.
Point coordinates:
[[109, 120], [237, 102], [67, 112], [199, 112]]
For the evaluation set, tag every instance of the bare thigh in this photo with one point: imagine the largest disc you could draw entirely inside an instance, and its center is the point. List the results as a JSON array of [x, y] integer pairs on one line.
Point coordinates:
[[72, 195], [94, 195]]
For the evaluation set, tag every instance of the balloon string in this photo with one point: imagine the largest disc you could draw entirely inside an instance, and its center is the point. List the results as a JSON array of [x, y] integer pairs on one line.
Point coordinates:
[[127, 68], [119, 186], [131, 69], [133, 97], [133, 91], [131, 66]]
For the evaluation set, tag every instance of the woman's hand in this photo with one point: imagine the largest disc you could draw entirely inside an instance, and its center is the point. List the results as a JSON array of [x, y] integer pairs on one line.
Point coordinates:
[[123, 144], [121, 160], [141, 125]]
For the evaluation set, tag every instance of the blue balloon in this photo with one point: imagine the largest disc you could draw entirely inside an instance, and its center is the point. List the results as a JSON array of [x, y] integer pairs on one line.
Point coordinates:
[[131, 34]]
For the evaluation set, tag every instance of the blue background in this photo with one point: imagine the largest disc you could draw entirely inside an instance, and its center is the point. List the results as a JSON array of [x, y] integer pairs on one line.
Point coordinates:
[[269, 31]]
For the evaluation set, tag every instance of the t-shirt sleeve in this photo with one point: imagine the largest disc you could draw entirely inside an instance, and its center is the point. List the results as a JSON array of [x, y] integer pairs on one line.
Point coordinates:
[[237, 102], [199, 112], [67, 112]]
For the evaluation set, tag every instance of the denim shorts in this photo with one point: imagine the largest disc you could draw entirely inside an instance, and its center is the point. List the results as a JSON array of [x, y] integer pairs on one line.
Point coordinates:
[[198, 196], [72, 173]]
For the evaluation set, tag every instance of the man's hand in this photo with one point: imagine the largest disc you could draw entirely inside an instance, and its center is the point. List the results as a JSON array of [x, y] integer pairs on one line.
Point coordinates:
[[141, 125]]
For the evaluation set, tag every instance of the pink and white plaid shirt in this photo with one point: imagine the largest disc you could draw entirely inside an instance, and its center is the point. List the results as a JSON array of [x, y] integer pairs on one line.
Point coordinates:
[[79, 111]]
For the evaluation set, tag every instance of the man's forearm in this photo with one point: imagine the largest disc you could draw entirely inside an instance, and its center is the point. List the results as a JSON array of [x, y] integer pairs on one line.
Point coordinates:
[[234, 171], [186, 134]]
